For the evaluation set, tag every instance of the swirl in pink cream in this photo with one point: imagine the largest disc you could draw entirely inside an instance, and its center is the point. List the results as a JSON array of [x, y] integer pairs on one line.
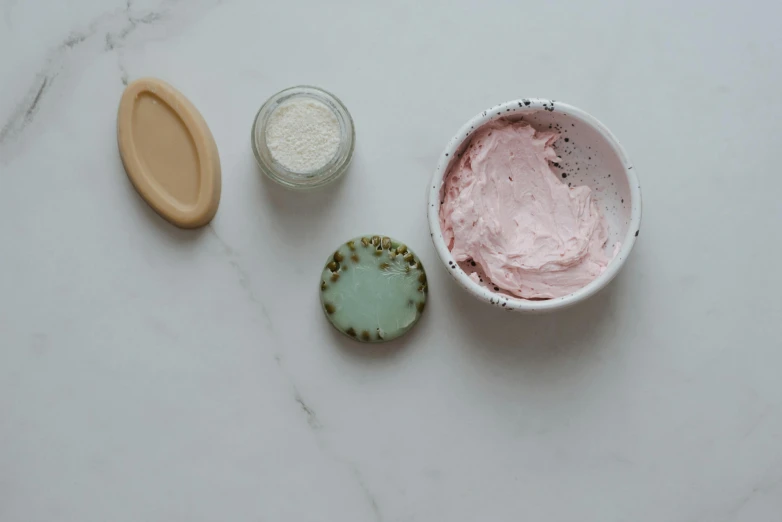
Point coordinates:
[[504, 209]]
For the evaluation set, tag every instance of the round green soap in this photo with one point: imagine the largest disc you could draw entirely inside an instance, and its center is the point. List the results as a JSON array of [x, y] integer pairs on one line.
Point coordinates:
[[373, 289]]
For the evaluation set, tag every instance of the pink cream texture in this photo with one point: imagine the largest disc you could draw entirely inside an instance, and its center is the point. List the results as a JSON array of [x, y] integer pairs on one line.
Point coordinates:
[[506, 210]]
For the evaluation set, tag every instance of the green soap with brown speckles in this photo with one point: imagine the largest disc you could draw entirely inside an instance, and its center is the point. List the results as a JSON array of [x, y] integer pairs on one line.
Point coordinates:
[[373, 289]]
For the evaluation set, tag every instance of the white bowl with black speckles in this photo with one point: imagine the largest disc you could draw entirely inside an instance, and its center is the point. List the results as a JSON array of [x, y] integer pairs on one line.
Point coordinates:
[[590, 155]]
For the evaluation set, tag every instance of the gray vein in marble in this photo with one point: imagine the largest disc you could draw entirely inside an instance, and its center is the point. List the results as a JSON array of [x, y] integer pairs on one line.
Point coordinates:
[[123, 72], [730, 512], [246, 284], [370, 497], [113, 40], [244, 278], [311, 416], [763, 487], [26, 110], [756, 422], [37, 98], [74, 39]]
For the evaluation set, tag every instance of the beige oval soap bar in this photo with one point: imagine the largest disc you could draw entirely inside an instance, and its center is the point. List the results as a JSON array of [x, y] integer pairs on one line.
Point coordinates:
[[168, 152]]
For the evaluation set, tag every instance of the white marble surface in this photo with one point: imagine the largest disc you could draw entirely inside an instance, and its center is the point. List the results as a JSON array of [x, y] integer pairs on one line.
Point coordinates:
[[151, 374]]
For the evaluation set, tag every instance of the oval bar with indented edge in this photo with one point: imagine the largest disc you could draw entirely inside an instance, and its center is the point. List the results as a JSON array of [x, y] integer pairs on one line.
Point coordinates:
[[169, 153]]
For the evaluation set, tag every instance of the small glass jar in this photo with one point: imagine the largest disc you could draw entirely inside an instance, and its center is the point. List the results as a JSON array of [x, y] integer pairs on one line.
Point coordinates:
[[328, 172]]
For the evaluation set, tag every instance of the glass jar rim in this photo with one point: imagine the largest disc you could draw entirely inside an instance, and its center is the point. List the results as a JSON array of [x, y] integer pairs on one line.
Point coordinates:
[[317, 178]]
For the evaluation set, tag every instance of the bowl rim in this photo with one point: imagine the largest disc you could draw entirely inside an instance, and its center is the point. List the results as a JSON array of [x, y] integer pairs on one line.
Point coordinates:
[[511, 108]]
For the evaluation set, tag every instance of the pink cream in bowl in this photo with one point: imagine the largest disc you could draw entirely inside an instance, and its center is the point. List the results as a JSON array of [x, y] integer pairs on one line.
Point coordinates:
[[516, 225]]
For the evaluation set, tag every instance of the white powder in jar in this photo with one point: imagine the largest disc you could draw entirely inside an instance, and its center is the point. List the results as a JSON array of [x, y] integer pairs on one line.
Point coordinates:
[[303, 135]]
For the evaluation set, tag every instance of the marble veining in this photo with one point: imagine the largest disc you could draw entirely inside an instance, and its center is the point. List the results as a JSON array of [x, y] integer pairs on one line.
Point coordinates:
[[115, 27], [151, 373]]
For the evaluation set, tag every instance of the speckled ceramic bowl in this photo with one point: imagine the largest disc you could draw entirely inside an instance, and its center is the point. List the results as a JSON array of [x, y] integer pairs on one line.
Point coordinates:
[[591, 156]]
